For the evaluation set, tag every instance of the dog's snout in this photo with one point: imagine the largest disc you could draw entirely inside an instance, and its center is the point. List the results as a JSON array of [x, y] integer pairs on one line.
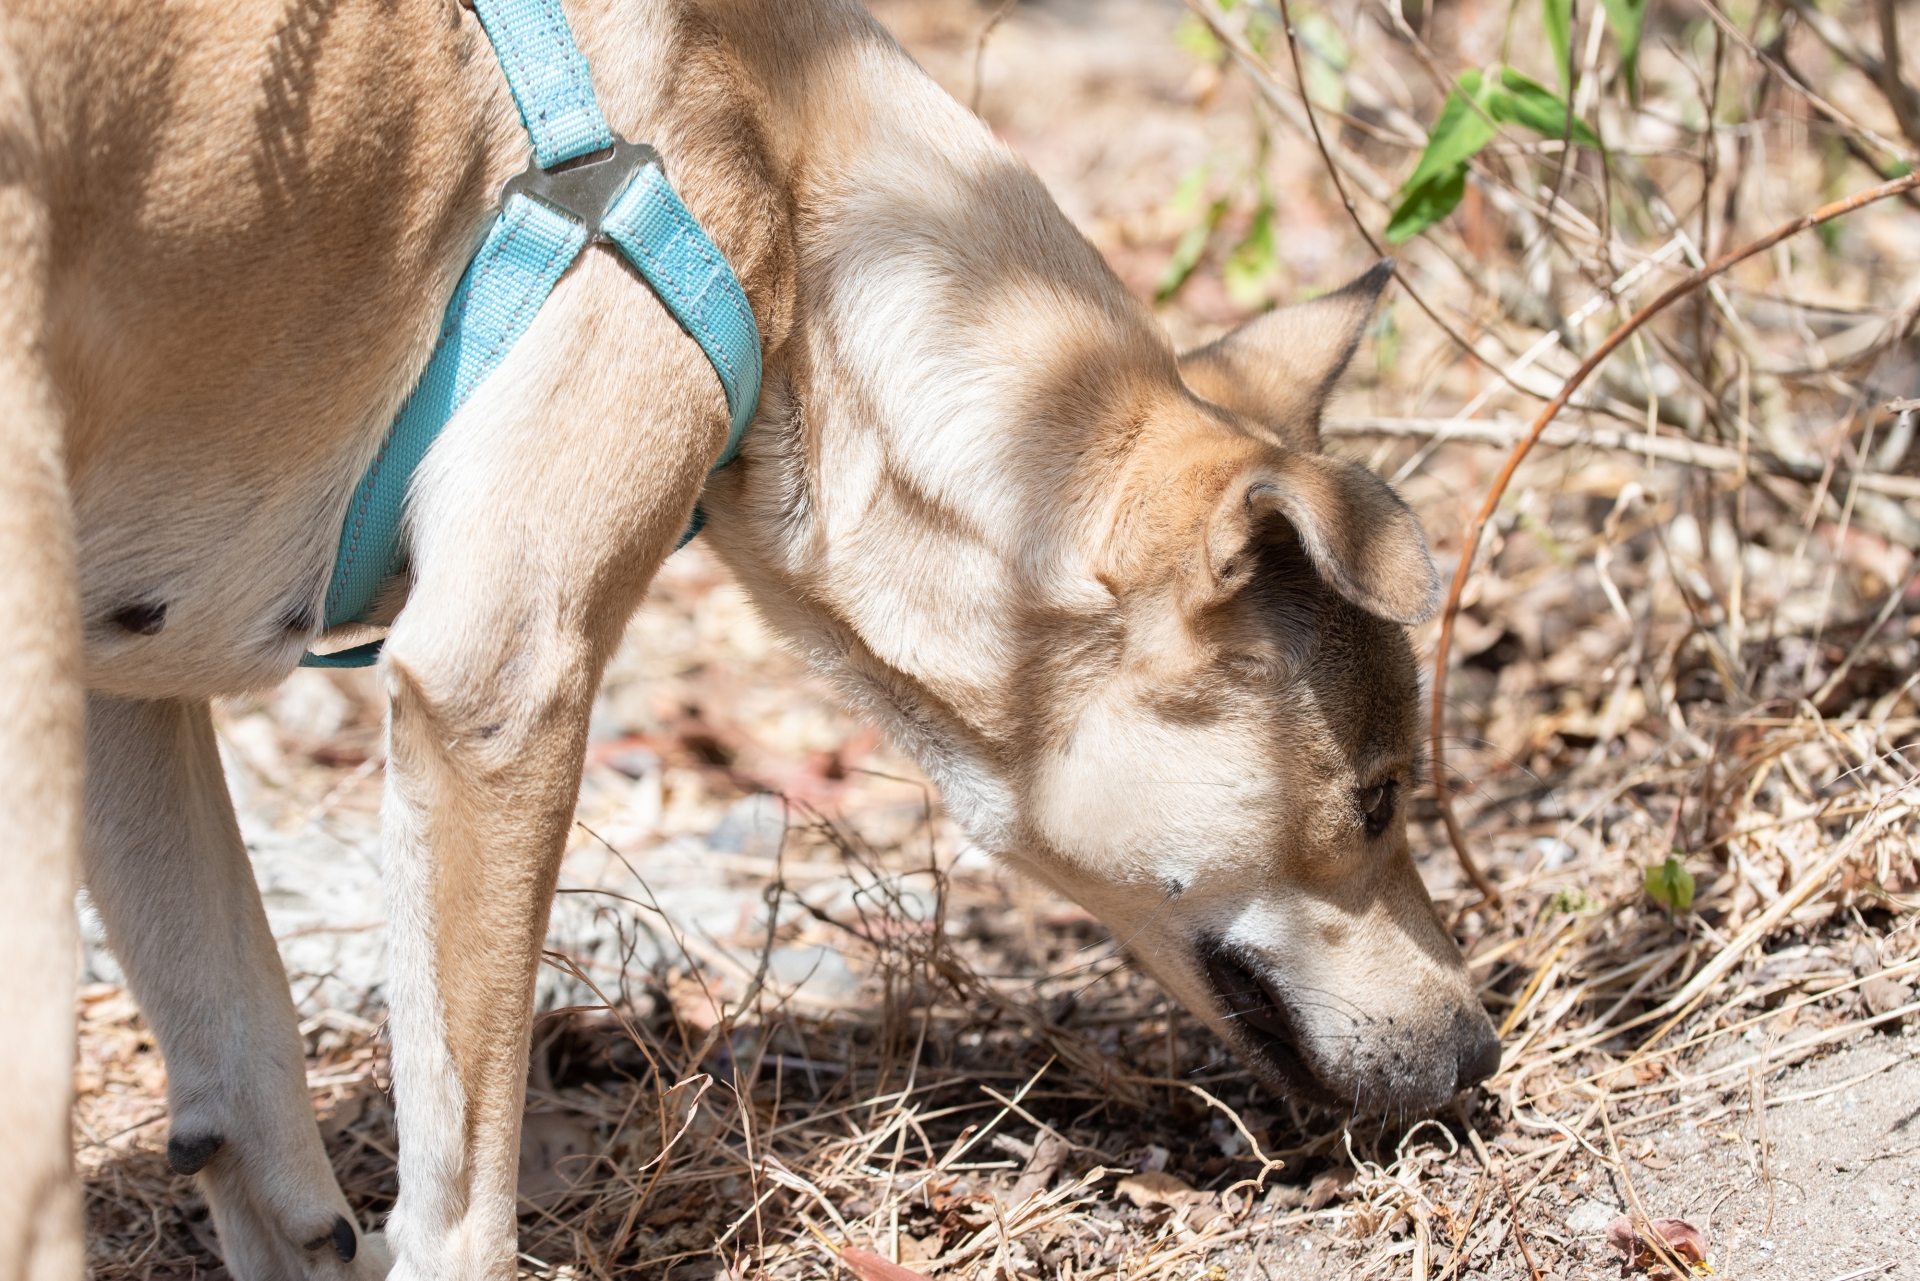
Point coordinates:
[[1479, 1051], [1247, 999]]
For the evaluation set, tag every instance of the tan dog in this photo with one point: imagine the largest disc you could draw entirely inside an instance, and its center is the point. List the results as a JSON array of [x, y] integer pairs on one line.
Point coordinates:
[[1142, 633]]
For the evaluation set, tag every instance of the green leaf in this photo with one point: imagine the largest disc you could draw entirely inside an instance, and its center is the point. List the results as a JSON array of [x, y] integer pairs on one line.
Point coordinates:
[[1422, 206], [1252, 262], [1187, 192], [1466, 124], [1520, 100], [1198, 40], [1457, 136], [1624, 17], [1186, 254], [1556, 18], [1670, 885]]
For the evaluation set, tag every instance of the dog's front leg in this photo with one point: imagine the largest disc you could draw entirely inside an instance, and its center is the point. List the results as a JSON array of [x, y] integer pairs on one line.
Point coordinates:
[[538, 522], [480, 795]]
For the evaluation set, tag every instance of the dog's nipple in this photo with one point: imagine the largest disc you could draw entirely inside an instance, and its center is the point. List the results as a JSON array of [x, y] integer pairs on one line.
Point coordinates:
[[143, 618]]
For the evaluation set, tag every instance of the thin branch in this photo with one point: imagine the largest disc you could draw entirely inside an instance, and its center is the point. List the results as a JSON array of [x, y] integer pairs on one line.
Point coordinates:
[[1313, 122], [1471, 542], [1337, 162], [1673, 449], [1799, 86], [980, 52], [1899, 94]]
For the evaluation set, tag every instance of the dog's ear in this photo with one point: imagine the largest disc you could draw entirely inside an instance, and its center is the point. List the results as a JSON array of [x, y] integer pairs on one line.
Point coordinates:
[[1279, 369], [1364, 542]]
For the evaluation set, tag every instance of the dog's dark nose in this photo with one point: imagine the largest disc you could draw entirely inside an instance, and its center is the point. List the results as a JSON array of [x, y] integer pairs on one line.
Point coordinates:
[[1479, 1051]]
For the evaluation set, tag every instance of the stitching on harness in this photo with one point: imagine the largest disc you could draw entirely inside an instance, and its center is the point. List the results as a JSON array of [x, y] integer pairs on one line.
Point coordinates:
[[448, 326], [488, 360], [696, 310], [577, 116]]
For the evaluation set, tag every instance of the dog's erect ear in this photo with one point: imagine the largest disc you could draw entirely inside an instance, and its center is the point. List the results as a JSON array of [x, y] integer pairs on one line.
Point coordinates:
[[1278, 369], [1365, 543]]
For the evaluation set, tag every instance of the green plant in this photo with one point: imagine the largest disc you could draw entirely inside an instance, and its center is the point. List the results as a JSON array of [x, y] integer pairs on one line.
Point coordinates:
[[1479, 104], [1670, 885]]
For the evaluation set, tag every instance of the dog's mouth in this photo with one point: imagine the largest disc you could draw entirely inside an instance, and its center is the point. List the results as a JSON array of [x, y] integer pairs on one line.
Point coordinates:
[[1261, 1027]]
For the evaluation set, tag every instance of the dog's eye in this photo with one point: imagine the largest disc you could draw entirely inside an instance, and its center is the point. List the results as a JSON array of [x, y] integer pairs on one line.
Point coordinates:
[[1376, 805]]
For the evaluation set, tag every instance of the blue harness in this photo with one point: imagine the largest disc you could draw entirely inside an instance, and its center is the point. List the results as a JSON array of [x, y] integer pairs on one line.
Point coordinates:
[[584, 185]]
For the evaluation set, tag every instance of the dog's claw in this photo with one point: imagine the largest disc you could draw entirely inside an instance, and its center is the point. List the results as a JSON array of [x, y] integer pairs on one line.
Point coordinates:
[[345, 1242]]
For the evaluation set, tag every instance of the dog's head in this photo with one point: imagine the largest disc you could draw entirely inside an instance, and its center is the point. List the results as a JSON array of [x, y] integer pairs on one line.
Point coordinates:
[[1226, 775]]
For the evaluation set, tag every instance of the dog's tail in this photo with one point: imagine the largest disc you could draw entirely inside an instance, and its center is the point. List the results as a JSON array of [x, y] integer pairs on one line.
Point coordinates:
[[42, 729]]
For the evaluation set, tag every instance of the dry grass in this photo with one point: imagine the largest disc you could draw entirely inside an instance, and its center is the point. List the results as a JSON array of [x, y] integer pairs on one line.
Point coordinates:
[[1686, 634]]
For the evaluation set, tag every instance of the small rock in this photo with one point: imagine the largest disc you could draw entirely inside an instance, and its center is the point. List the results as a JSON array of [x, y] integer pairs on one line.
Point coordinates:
[[1590, 1217], [1151, 1157], [753, 825]]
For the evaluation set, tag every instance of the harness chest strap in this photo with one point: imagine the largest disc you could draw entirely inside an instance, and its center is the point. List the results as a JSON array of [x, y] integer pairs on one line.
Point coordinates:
[[550, 213]]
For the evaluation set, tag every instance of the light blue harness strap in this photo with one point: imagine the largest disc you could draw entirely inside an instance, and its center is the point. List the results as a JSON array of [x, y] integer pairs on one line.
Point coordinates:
[[550, 214], [518, 265], [549, 77], [652, 228]]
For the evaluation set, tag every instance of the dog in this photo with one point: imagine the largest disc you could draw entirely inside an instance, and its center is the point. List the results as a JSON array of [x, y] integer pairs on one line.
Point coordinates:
[[1146, 637]]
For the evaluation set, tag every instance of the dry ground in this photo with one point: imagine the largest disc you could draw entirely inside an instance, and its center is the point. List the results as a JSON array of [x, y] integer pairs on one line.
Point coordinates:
[[853, 1030]]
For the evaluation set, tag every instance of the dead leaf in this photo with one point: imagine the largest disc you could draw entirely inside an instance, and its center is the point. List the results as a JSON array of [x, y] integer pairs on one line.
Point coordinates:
[[915, 1249], [1152, 1188], [1683, 1241], [1284, 1196], [1326, 1185], [869, 1266], [1884, 995], [1050, 1153]]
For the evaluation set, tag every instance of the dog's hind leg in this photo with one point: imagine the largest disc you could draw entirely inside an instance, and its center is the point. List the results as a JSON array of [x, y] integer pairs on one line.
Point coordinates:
[[40, 758], [167, 869], [40, 743]]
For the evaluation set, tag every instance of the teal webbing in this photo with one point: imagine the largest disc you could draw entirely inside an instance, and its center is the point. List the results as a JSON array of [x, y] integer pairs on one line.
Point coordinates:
[[654, 231], [549, 77], [518, 264], [527, 250]]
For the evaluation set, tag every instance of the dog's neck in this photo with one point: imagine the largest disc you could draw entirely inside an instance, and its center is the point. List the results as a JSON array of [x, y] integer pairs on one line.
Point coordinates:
[[959, 361]]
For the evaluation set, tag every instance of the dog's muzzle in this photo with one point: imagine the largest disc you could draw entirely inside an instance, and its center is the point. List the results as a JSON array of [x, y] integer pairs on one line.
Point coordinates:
[[1265, 1030], [1261, 1024]]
